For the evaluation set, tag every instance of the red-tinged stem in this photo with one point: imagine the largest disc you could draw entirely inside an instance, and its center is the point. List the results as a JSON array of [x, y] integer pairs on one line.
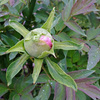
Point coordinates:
[[43, 69], [61, 30], [46, 73]]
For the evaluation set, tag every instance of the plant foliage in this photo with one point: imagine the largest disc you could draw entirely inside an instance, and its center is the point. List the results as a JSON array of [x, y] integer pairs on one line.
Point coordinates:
[[68, 66]]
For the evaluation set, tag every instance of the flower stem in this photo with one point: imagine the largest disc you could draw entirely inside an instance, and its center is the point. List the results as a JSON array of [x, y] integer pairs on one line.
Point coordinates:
[[32, 59], [46, 73], [61, 30]]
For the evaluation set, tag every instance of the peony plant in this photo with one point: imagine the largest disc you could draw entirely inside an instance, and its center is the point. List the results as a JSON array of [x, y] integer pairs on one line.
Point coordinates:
[[37, 45], [75, 73]]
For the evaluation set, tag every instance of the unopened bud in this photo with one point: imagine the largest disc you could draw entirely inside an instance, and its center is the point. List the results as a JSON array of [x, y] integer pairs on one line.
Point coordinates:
[[38, 41]]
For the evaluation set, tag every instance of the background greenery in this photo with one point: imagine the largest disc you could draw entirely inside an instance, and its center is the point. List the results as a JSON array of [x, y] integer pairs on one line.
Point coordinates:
[[77, 25]]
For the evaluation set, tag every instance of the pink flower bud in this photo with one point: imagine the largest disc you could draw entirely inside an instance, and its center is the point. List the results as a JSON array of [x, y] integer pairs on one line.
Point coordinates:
[[38, 43], [47, 40]]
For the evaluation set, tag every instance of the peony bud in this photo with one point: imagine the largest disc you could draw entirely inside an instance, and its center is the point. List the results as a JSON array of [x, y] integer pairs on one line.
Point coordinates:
[[47, 40], [38, 41]]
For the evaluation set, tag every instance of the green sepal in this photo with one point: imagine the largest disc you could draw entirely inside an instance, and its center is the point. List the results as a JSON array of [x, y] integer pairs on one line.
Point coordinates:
[[47, 25], [19, 47], [18, 27], [68, 45], [37, 69]]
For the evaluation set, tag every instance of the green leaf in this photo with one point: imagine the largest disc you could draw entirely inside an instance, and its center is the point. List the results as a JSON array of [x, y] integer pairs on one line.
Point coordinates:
[[3, 2], [63, 36], [46, 2], [81, 73], [7, 40], [3, 89], [75, 27], [19, 47], [43, 78], [67, 11], [47, 25], [23, 87], [19, 27], [55, 22], [12, 93], [52, 83], [94, 57], [63, 63], [59, 25], [14, 37], [59, 75], [13, 10], [92, 33], [23, 1], [70, 53], [37, 69], [60, 92], [3, 50], [65, 1], [67, 45], [16, 97], [82, 61], [27, 97], [2, 44], [20, 87], [3, 78], [28, 89], [76, 57], [69, 62], [12, 55], [81, 95], [93, 19], [44, 92], [15, 67]]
